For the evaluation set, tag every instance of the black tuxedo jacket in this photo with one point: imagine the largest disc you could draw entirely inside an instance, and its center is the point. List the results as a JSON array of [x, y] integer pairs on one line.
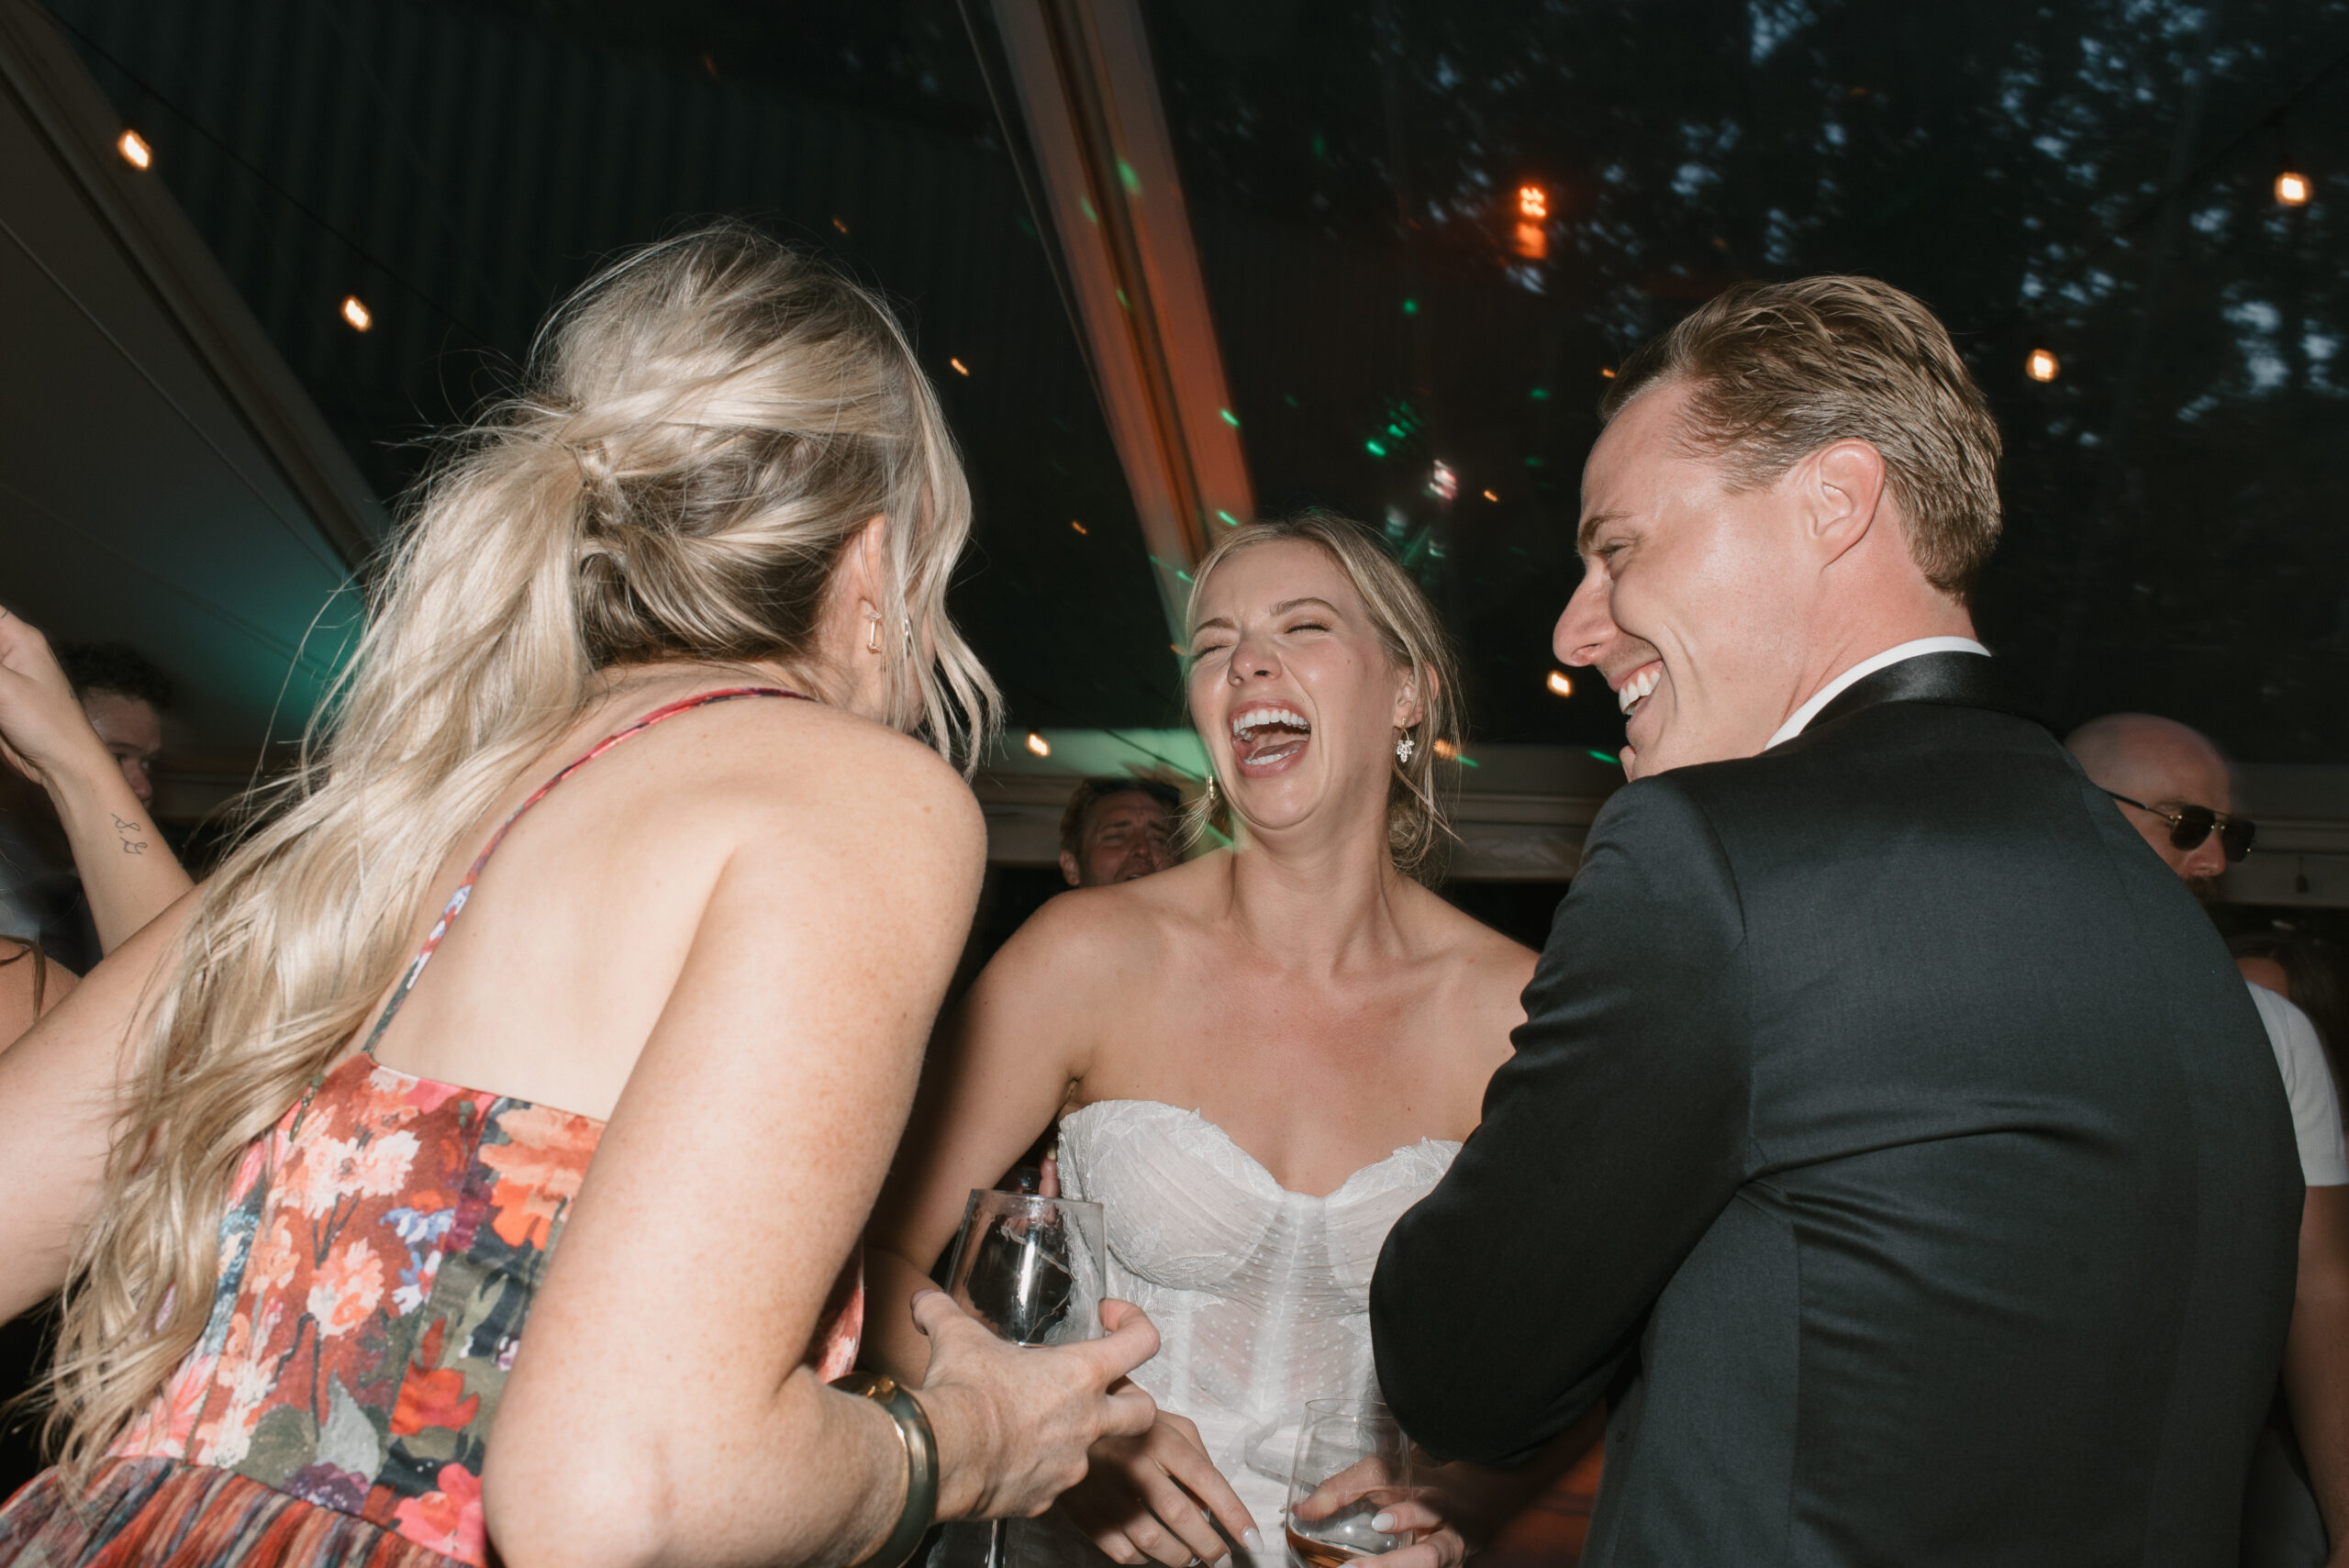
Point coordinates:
[[1892, 1145]]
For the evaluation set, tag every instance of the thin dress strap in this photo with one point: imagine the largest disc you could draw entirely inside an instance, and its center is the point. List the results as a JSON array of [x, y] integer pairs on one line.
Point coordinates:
[[456, 905]]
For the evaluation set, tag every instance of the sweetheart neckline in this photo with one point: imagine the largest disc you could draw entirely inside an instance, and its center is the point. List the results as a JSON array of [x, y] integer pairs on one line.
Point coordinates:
[[1258, 1165]]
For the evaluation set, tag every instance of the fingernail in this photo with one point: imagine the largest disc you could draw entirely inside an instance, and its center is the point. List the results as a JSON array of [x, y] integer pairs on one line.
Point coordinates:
[[1250, 1539], [1382, 1523]]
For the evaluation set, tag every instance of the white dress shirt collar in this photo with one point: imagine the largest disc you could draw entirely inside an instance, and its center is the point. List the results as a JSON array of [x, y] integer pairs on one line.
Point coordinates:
[[1864, 667]]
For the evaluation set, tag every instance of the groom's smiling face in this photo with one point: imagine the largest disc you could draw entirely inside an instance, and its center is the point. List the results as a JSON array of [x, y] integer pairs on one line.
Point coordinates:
[[1694, 596]]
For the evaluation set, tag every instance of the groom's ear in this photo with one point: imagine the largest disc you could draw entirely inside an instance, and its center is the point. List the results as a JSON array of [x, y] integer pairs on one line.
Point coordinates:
[[1843, 490]]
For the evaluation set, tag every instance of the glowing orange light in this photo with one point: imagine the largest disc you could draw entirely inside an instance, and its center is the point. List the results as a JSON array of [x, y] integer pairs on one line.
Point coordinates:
[[1606, 371], [960, 368], [2291, 189], [1038, 744], [1077, 526], [2042, 365], [838, 224], [1532, 202], [1561, 683], [1490, 496], [1445, 750], [358, 314], [134, 149]]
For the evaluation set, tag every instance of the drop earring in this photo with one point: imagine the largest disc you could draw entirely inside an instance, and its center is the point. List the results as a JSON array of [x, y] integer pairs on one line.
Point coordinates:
[[1404, 747], [871, 632], [1210, 794]]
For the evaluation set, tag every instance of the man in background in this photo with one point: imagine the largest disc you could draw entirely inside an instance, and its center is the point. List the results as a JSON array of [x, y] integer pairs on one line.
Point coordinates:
[[2174, 787], [1117, 829], [124, 697]]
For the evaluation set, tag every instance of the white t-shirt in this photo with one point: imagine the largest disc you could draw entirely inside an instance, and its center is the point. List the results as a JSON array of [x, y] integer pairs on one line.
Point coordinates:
[[2307, 1082]]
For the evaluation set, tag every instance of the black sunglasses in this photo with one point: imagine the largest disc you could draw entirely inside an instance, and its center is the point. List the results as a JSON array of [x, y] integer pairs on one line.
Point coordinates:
[[2189, 825]]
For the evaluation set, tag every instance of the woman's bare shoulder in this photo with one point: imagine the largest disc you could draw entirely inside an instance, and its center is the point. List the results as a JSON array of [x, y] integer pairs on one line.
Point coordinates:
[[820, 773], [1089, 942], [1480, 959]]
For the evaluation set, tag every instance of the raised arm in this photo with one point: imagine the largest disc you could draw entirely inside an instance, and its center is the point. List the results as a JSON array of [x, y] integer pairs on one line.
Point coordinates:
[[998, 1075], [1504, 1302], [660, 1409], [128, 871]]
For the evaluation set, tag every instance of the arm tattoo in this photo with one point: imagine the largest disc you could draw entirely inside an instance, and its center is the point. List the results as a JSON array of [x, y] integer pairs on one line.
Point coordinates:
[[131, 845]]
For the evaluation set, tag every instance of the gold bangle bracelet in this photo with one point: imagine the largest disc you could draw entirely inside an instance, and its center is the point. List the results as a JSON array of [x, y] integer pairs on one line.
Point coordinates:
[[914, 1519]]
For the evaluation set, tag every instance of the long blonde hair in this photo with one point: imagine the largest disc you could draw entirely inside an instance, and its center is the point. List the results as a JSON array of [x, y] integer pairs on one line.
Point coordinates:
[[1413, 640], [704, 428]]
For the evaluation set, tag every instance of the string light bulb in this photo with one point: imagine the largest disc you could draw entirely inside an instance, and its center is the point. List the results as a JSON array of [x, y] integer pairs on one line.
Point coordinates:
[[1443, 483], [134, 149], [1560, 685], [1038, 744], [358, 314], [1532, 202], [2292, 188], [2042, 365]]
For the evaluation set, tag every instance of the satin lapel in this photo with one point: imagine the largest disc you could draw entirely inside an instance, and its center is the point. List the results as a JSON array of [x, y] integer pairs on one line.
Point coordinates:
[[1950, 680]]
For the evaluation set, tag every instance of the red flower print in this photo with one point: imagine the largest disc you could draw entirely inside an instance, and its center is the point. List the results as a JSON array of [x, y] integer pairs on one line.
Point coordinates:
[[435, 1398], [448, 1521], [540, 1165]]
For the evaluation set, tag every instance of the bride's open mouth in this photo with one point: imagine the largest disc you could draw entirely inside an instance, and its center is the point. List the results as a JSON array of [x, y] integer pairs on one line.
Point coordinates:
[[1637, 686], [1267, 738]]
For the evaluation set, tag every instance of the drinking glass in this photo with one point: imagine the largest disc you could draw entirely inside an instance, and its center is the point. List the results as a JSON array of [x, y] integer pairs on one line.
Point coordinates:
[[1031, 1269], [1356, 1444]]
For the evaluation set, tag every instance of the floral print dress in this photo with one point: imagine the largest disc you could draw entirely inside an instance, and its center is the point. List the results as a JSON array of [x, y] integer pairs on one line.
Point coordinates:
[[378, 1259]]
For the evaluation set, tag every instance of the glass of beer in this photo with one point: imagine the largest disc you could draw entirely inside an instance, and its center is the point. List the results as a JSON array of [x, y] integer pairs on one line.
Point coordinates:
[[1353, 1462]]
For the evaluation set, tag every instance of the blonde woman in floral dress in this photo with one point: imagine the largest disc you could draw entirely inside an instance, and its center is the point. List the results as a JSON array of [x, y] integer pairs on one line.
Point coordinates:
[[620, 814]]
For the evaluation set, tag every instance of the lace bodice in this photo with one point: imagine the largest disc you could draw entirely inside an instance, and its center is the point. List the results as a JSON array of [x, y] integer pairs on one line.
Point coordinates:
[[1261, 1294]]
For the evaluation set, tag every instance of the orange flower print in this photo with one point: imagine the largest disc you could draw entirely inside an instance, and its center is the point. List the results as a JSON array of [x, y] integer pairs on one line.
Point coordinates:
[[540, 1165], [448, 1521], [270, 1267], [434, 1399], [347, 1288]]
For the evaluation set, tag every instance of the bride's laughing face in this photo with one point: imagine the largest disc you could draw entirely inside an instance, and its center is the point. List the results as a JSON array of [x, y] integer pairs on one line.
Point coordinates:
[[1291, 689]]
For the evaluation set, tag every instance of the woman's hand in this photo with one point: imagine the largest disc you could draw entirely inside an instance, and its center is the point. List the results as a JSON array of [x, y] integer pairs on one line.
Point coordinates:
[[43, 731], [1014, 1423], [1156, 1498], [1424, 1513]]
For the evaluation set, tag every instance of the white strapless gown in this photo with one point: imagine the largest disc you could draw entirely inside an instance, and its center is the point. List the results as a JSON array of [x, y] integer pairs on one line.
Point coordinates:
[[1260, 1295]]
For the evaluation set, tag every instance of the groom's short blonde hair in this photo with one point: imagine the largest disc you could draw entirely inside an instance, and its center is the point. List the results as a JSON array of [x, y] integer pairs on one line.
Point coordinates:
[[1778, 371]]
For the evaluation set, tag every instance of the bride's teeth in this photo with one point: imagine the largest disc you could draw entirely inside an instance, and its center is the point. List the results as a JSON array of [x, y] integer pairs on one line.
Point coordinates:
[[1247, 722]]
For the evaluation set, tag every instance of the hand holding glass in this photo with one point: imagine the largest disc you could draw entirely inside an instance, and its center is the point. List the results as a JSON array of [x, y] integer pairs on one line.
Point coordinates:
[[1031, 1269], [1352, 1464]]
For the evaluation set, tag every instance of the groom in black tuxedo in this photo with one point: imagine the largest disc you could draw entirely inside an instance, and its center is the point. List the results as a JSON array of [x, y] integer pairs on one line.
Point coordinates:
[[1890, 1143]]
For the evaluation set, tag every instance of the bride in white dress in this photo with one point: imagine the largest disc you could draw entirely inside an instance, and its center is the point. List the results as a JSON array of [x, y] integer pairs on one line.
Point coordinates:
[[1260, 1059]]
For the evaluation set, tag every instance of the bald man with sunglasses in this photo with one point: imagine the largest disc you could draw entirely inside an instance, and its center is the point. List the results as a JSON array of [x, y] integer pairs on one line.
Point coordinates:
[[2174, 787]]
